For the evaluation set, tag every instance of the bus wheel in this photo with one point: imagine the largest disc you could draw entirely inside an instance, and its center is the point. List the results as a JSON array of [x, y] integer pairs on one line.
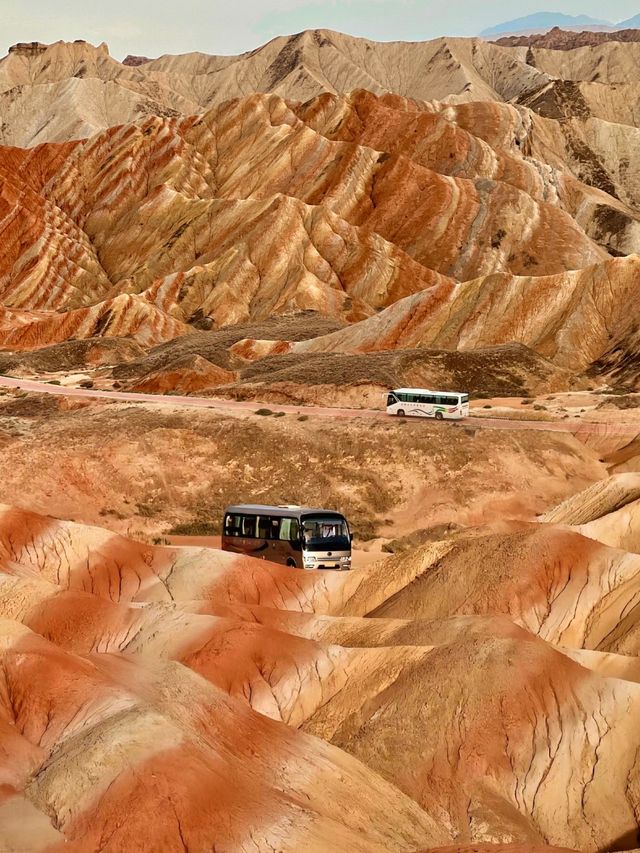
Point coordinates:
[[291, 563], [438, 416], [400, 413]]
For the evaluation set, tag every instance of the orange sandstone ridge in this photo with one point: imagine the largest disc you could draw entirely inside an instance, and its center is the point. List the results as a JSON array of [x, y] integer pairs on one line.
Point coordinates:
[[147, 674], [320, 219], [343, 205]]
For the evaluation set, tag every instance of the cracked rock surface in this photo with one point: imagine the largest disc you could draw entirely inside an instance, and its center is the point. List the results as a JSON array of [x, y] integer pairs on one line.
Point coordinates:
[[409, 705]]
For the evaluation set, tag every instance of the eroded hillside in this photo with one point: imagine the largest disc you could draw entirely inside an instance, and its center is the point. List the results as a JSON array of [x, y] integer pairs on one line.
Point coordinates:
[[347, 206], [308, 225], [231, 666]]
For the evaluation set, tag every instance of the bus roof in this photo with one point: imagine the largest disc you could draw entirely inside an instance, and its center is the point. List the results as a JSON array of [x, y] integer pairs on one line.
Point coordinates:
[[280, 511], [424, 391]]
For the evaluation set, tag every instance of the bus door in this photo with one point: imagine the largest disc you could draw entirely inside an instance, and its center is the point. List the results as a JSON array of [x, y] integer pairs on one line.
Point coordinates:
[[279, 539]]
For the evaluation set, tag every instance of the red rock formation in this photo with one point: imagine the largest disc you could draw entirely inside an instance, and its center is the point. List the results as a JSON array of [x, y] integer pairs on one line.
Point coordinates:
[[570, 318], [135, 61], [183, 376], [186, 214], [142, 674]]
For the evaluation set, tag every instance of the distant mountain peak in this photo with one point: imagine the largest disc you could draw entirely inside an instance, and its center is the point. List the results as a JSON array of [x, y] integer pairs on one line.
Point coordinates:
[[544, 21], [630, 23]]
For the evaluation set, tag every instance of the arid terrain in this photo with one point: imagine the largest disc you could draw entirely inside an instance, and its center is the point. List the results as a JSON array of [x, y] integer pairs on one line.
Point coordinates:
[[212, 269], [481, 687]]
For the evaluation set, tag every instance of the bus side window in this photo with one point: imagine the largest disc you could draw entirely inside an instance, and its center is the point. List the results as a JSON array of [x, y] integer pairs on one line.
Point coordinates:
[[232, 525], [289, 529], [430, 399], [248, 526], [264, 527], [391, 399]]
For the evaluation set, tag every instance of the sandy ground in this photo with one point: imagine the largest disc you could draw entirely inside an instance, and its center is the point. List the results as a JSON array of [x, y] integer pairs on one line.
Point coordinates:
[[609, 422], [153, 469]]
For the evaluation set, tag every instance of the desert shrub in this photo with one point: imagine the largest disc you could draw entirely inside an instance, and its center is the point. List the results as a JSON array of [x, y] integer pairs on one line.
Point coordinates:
[[303, 417], [54, 382], [196, 527], [147, 510], [264, 412], [114, 512], [279, 414], [497, 238], [619, 390], [540, 408]]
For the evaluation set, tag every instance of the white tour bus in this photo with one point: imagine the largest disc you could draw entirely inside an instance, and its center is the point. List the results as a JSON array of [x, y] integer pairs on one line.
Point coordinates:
[[427, 404]]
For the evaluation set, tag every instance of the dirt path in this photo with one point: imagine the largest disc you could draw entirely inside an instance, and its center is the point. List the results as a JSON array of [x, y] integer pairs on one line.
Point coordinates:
[[232, 406]]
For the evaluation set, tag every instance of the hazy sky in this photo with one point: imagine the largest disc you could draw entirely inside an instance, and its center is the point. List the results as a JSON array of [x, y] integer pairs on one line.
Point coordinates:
[[154, 27]]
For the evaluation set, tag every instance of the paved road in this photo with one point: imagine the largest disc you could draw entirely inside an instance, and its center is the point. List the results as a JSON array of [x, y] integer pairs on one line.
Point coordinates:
[[231, 406]]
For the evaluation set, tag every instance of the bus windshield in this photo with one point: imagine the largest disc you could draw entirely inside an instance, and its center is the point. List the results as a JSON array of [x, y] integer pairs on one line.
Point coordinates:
[[324, 532]]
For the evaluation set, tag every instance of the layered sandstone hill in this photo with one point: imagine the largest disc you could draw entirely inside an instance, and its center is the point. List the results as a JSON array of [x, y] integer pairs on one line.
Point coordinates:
[[122, 662], [570, 318], [64, 90], [452, 225], [146, 229], [413, 223]]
